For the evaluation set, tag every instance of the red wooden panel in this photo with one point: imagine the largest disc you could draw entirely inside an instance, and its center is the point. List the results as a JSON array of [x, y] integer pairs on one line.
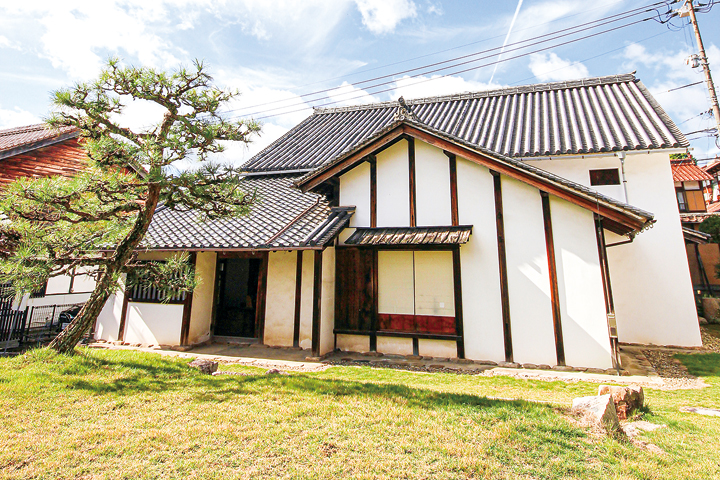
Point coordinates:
[[393, 322]]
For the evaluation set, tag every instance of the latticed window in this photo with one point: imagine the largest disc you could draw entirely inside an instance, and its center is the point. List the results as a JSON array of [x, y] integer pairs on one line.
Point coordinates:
[[605, 176], [142, 290]]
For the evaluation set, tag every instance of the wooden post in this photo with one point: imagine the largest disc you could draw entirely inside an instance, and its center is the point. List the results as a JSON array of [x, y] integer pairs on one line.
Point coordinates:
[[607, 290], [454, 213], [298, 298], [457, 284], [413, 189], [552, 270], [502, 263], [317, 299], [187, 308]]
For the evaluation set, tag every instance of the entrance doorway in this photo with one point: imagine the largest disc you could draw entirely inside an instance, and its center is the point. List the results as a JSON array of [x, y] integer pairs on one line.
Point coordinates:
[[236, 307]]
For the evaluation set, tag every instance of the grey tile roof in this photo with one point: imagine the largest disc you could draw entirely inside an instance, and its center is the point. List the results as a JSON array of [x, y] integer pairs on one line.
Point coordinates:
[[410, 236], [575, 117], [283, 217]]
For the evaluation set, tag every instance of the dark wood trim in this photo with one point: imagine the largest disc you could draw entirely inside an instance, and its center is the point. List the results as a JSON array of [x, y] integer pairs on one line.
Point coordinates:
[[298, 298], [457, 284], [454, 213], [187, 308], [317, 303], [123, 314], [416, 346], [373, 190], [412, 182], [552, 270], [261, 299], [446, 247], [376, 308], [617, 221], [381, 333], [241, 254], [502, 264]]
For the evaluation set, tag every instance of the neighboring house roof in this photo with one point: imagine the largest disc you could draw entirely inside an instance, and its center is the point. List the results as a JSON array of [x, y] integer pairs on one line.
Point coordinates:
[[283, 217], [713, 207], [687, 171], [576, 117], [410, 236], [695, 217], [621, 217], [695, 236], [14, 141], [713, 167]]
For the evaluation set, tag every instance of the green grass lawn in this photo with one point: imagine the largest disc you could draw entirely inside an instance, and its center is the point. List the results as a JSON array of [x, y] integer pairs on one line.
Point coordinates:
[[122, 414]]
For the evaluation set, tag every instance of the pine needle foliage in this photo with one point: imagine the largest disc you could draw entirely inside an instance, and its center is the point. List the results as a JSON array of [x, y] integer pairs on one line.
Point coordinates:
[[93, 223]]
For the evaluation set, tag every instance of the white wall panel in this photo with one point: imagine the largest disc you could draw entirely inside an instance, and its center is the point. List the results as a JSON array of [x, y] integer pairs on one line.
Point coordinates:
[[482, 310], [650, 277], [432, 182], [108, 322], [327, 318], [395, 282], [355, 190], [153, 323], [393, 186], [528, 279], [580, 289], [434, 284], [280, 304], [306, 304], [203, 296]]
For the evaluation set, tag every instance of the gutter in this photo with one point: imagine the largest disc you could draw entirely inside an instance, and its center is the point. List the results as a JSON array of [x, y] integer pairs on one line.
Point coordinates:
[[669, 151]]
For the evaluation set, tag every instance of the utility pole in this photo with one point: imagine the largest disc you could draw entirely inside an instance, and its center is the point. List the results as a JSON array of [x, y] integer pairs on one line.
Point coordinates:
[[705, 65]]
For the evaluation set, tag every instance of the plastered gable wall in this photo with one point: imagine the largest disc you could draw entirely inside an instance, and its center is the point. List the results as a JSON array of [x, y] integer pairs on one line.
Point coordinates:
[[650, 278], [432, 184], [393, 190]]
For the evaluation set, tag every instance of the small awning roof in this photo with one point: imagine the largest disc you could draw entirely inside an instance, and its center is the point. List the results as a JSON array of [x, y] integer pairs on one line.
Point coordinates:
[[687, 171], [398, 236], [695, 236]]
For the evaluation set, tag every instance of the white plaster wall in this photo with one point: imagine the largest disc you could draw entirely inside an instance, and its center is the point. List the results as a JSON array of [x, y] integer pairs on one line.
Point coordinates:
[[57, 285], [108, 322], [57, 299], [395, 345], [393, 186], [203, 296], [437, 348], [533, 337], [482, 310], [306, 304], [83, 283], [153, 323], [355, 190], [650, 277], [580, 289], [353, 343], [327, 310], [280, 304], [432, 185]]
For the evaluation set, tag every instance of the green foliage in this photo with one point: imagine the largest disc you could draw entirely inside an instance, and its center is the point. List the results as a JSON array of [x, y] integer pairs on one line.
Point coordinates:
[[93, 222], [711, 225]]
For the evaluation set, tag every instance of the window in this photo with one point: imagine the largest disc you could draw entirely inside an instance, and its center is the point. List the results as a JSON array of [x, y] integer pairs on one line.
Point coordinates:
[[682, 204], [606, 176], [141, 289]]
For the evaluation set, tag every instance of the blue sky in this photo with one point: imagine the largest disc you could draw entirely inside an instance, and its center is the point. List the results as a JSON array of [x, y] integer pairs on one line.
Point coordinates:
[[279, 50]]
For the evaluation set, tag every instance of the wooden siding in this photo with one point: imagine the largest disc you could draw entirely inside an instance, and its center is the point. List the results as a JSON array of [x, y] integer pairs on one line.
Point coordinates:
[[65, 158]]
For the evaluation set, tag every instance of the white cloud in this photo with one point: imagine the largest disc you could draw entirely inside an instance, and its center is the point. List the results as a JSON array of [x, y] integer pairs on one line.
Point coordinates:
[[550, 67], [17, 117], [437, 85], [346, 94], [382, 16]]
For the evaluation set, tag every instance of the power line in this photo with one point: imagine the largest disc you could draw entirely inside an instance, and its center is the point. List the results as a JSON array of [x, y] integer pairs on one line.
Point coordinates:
[[531, 42]]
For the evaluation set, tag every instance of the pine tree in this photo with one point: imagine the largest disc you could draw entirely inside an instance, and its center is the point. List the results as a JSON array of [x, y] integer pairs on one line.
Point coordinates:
[[93, 223]]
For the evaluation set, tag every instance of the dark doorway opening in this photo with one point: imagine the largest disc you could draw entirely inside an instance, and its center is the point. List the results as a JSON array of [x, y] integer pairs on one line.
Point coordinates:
[[237, 297]]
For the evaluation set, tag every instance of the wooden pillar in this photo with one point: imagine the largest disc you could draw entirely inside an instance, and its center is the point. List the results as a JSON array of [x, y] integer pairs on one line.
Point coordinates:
[[502, 264], [298, 298], [187, 308], [261, 298], [552, 270], [607, 290], [457, 284], [454, 214], [376, 293], [373, 191], [317, 298], [413, 188]]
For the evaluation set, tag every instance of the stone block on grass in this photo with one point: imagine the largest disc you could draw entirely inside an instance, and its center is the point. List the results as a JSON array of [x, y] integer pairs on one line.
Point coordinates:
[[597, 410], [207, 367], [626, 399]]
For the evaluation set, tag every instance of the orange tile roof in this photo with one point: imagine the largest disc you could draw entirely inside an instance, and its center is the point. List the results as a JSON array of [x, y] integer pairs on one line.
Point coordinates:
[[713, 207], [687, 171]]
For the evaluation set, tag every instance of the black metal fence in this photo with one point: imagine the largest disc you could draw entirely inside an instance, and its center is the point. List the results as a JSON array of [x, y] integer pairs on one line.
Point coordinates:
[[34, 325]]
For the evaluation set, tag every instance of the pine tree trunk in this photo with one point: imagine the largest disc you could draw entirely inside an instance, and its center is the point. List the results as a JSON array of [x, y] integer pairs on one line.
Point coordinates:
[[67, 339]]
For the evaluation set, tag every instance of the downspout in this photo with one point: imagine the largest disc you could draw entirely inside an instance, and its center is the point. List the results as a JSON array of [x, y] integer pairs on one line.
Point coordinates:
[[621, 156]]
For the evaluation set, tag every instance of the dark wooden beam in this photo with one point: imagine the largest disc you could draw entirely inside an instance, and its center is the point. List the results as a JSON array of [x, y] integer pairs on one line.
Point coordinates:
[[298, 298], [552, 269], [373, 190], [317, 303], [187, 308], [261, 299], [454, 213], [457, 284], [413, 187], [607, 290], [376, 309], [502, 264]]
